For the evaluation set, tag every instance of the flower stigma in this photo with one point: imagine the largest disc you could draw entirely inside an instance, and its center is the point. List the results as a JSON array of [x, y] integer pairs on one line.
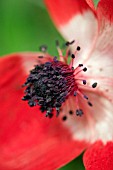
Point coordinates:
[[50, 84]]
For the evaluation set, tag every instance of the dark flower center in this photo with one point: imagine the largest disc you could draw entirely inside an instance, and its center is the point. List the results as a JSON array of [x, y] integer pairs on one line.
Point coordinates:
[[49, 85]]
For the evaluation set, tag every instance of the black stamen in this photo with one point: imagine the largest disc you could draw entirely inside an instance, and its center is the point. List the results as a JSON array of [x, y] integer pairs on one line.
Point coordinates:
[[84, 82], [85, 97], [75, 93], [78, 48], [64, 118], [50, 115], [31, 103], [26, 97], [84, 69], [69, 43], [40, 56], [79, 112], [70, 112], [94, 85], [73, 56], [90, 104], [57, 111], [72, 42], [80, 65]]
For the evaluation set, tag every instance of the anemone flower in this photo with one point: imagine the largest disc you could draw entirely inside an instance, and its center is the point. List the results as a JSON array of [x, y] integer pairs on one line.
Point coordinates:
[[76, 103]]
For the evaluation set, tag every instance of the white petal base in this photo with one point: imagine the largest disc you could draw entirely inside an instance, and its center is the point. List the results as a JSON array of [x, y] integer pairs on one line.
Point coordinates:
[[84, 30], [95, 124]]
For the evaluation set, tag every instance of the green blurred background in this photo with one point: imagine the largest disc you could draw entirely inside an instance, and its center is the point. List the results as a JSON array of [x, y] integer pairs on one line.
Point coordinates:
[[24, 26]]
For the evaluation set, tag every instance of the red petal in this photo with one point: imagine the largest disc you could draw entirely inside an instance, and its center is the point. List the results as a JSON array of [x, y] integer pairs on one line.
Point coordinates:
[[104, 8], [28, 140], [91, 4], [63, 11], [99, 157]]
